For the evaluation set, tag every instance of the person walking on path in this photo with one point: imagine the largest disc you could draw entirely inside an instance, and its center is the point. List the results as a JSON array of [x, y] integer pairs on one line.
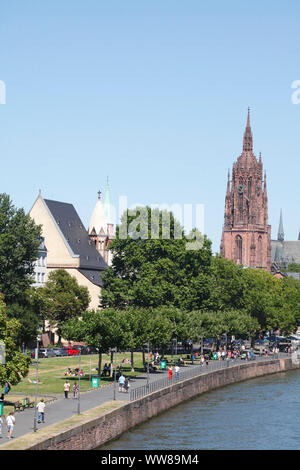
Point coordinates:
[[10, 423], [126, 384], [66, 388], [41, 410], [121, 382], [1, 424], [170, 372], [75, 390], [177, 371]]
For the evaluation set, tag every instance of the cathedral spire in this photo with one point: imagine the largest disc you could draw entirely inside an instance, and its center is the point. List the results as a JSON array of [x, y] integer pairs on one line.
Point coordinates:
[[280, 235], [248, 141]]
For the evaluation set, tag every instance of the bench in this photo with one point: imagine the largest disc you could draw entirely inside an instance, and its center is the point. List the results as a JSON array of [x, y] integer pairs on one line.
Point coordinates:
[[27, 403], [18, 406]]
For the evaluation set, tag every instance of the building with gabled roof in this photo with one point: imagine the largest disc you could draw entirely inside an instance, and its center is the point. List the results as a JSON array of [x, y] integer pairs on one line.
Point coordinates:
[[69, 245]]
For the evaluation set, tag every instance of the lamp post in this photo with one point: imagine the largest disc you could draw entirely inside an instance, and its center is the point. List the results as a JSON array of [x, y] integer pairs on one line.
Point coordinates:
[[36, 380], [115, 371], [148, 366], [78, 403]]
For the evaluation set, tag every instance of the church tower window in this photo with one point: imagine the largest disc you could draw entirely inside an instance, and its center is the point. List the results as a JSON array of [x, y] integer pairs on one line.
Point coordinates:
[[238, 249]]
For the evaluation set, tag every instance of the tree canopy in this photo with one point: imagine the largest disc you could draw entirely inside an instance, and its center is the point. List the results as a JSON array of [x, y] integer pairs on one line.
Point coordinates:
[[17, 364], [150, 269], [19, 241]]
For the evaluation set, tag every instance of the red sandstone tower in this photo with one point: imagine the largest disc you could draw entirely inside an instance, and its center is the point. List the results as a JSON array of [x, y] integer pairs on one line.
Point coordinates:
[[246, 236]]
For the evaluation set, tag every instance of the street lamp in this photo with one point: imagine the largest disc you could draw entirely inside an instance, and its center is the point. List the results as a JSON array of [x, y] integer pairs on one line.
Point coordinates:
[[36, 380], [115, 372], [78, 403], [147, 344]]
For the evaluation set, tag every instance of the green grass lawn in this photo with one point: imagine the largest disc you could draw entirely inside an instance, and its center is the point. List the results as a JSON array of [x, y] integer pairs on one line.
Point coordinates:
[[51, 375]]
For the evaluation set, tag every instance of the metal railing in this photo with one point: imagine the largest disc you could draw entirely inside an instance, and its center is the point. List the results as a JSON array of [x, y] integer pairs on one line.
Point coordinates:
[[189, 372]]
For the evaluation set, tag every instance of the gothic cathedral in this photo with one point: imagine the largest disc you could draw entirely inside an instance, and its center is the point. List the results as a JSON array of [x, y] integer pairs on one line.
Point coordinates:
[[246, 236]]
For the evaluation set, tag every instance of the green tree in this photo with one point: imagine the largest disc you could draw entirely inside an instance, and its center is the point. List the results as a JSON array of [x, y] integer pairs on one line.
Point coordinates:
[[17, 364], [28, 320], [19, 241], [102, 329], [153, 266], [63, 298], [293, 268]]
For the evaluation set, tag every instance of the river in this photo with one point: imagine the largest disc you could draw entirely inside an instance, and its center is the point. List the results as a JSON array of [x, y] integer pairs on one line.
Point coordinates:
[[261, 414]]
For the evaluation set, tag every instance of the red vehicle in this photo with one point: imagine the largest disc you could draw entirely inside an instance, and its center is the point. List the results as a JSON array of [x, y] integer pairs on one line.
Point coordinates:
[[72, 351]]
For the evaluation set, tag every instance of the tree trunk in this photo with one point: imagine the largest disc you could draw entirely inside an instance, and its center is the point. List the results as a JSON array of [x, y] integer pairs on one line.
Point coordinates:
[[111, 363], [99, 364], [144, 360], [132, 362]]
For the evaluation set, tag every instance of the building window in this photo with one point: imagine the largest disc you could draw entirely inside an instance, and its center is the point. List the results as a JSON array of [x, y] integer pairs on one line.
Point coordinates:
[[259, 251], [238, 249]]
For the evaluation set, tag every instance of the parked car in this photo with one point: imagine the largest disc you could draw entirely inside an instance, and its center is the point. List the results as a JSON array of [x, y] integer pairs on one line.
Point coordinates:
[[32, 353], [59, 352], [72, 351], [50, 353], [43, 351], [260, 344]]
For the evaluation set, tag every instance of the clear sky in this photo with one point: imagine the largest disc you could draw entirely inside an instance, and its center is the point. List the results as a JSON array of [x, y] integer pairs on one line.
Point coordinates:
[[153, 94]]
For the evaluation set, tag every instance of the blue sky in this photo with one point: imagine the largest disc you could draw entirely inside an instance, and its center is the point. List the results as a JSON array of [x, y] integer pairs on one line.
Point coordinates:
[[153, 94]]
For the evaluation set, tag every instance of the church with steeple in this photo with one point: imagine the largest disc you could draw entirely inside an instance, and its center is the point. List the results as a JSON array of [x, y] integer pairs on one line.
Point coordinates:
[[246, 236]]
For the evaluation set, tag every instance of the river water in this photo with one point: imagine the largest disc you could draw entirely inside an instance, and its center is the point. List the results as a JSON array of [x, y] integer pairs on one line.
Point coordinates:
[[262, 414]]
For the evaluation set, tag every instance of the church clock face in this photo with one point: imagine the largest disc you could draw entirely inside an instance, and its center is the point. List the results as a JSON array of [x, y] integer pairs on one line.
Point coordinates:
[[240, 189]]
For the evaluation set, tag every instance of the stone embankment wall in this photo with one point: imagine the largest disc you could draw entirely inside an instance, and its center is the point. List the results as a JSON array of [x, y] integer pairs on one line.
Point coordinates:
[[105, 427]]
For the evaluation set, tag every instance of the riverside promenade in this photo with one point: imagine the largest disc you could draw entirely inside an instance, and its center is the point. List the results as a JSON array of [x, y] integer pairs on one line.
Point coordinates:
[[61, 409]]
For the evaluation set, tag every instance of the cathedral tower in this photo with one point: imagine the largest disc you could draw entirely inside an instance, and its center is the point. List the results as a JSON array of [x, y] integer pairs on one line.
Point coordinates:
[[246, 236]]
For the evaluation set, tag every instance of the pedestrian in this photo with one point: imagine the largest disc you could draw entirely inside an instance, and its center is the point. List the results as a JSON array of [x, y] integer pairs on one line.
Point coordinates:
[[126, 384], [10, 423], [170, 372], [121, 382], [6, 388], [66, 388], [75, 390], [177, 371], [1, 424], [41, 410]]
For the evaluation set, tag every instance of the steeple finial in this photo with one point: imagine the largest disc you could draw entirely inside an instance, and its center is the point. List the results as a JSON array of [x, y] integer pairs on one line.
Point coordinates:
[[99, 194], [247, 142], [280, 235], [248, 118]]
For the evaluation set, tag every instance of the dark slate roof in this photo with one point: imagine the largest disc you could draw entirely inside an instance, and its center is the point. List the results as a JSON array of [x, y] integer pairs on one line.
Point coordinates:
[[77, 238], [285, 251], [93, 275]]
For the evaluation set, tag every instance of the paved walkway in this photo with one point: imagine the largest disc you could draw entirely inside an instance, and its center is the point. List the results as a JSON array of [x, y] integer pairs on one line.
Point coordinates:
[[61, 408]]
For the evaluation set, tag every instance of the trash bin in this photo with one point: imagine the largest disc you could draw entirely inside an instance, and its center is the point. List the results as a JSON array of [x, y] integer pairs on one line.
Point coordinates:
[[1, 408], [215, 356], [95, 382], [163, 364]]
